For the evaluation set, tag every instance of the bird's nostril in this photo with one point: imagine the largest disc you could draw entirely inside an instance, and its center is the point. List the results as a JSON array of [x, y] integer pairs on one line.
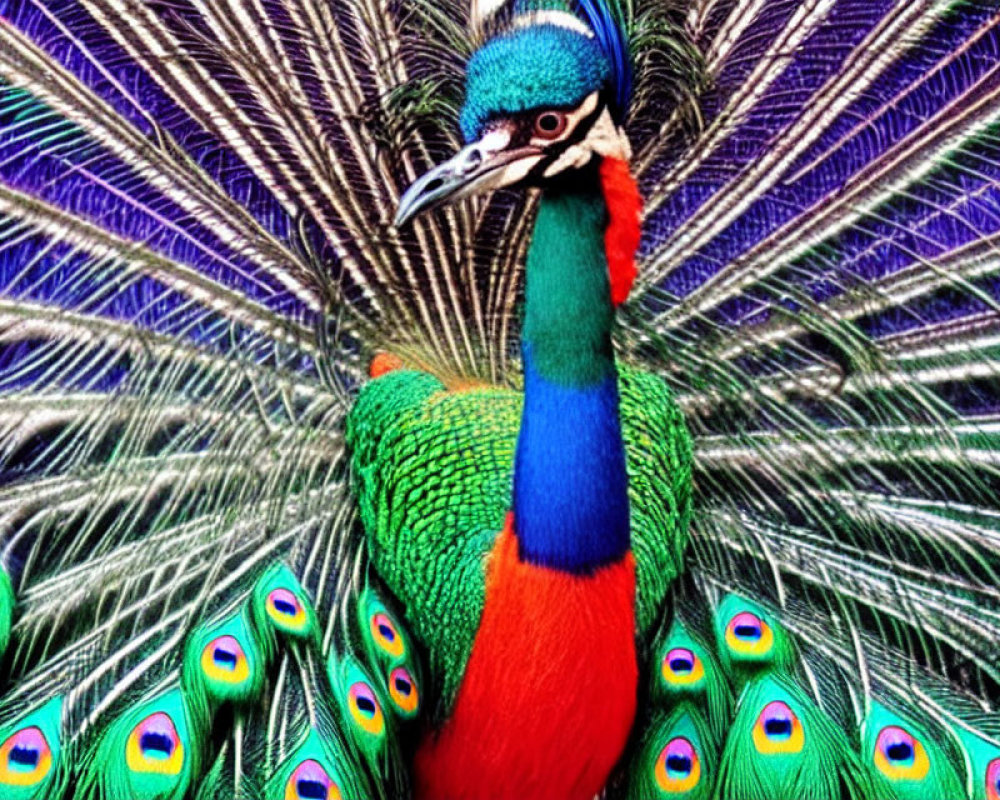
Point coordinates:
[[434, 185], [473, 160]]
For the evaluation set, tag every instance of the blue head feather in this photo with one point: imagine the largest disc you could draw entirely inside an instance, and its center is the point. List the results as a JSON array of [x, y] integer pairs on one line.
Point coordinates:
[[606, 25]]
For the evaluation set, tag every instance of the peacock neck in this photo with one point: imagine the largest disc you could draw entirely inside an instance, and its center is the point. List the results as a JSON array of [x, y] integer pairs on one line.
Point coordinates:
[[570, 484]]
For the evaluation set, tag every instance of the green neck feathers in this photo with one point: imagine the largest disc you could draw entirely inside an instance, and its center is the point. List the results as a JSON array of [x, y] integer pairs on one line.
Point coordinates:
[[568, 312]]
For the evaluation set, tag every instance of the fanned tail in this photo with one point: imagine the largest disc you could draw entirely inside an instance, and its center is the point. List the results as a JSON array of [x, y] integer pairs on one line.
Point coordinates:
[[194, 260], [819, 286]]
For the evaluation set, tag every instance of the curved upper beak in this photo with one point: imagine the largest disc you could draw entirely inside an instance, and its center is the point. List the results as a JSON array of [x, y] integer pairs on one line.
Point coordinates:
[[481, 166]]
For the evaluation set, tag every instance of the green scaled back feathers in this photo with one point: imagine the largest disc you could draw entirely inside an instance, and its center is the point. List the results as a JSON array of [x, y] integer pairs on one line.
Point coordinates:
[[432, 474]]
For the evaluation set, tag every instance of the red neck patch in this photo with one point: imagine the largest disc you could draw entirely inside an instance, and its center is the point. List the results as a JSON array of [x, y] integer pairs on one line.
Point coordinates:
[[549, 692], [621, 239]]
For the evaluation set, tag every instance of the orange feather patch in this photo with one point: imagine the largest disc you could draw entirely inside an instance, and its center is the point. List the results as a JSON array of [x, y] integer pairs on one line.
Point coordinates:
[[621, 238], [549, 693], [383, 364]]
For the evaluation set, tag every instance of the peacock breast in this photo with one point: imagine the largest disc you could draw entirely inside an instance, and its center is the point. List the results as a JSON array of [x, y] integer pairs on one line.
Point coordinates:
[[433, 471]]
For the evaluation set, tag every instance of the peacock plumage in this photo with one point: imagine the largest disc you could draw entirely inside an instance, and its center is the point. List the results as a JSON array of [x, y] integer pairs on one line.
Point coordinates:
[[542, 399]]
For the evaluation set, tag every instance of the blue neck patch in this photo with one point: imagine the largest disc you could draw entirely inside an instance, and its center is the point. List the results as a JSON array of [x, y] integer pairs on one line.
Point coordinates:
[[571, 509], [541, 66]]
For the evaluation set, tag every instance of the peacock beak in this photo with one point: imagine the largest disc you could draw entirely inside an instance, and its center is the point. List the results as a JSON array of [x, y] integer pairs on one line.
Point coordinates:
[[481, 166]]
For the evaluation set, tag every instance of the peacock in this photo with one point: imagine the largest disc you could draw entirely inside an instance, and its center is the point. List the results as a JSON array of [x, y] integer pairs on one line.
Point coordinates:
[[507, 399]]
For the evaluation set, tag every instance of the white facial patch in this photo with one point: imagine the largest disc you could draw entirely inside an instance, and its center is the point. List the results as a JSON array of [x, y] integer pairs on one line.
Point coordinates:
[[608, 140], [482, 10], [494, 141], [561, 19], [573, 157], [604, 138], [516, 171]]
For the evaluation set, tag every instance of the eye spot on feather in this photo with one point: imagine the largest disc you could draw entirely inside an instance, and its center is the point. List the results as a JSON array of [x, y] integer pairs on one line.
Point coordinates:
[[403, 691], [778, 730], [900, 756], [286, 611], [224, 659], [25, 758], [365, 709], [993, 780], [310, 781], [154, 746], [748, 635], [678, 769], [385, 635], [681, 667]]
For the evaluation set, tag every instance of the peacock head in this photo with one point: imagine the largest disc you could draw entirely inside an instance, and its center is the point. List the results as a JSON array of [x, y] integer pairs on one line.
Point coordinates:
[[545, 95]]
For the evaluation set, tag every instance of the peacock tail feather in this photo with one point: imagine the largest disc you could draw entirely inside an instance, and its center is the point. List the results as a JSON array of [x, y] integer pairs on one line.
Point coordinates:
[[233, 565]]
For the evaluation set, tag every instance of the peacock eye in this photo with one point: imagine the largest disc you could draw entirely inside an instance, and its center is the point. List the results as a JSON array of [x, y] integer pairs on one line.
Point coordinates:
[[678, 768], [681, 667], [384, 632], [777, 730], [310, 781], [155, 746], [403, 691], [550, 124], [900, 756], [993, 780], [224, 659], [25, 758], [365, 709]]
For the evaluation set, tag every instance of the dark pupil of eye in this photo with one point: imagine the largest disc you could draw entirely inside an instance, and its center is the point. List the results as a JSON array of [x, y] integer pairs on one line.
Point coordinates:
[[156, 743], [23, 756], [681, 665], [778, 727], [311, 789], [284, 607], [366, 706], [402, 686], [899, 752], [747, 632], [387, 632], [679, 764], [548, 123]]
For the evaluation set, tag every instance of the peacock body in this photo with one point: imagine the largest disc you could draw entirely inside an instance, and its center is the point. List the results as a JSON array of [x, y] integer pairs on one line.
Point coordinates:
[[326, 472]]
